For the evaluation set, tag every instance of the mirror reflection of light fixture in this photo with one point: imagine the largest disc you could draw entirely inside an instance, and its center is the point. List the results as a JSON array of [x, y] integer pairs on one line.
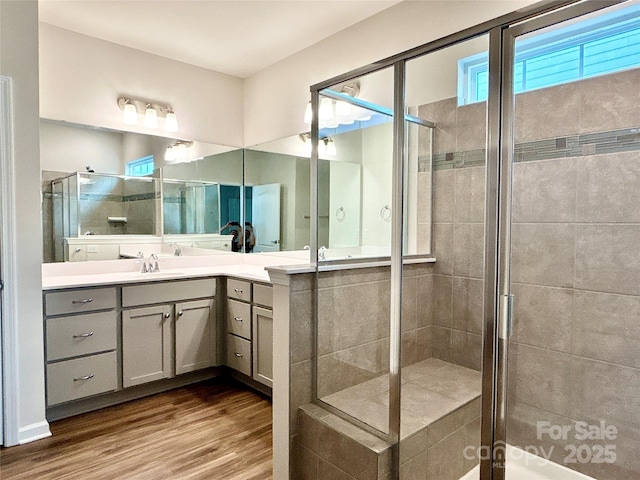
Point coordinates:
[[326, 145], [331, 147], [178, 152], [342, 108], [131, 106], [150, 117], [307, 114], [306, 139], [326, 109]]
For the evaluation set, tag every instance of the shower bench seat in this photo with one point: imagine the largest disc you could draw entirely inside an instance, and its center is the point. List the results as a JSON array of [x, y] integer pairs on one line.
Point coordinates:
[[440, 427]]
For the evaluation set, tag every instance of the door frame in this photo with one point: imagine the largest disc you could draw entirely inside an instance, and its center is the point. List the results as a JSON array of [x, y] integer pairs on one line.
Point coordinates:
[[498, 300], [8, 268]]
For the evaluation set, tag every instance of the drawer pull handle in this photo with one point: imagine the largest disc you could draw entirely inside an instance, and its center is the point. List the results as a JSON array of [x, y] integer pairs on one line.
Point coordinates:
[[239, 355], [83, 335], [237, 290], [82, 302], [238, 319], [167, 315], [86, 377], [180, 313]]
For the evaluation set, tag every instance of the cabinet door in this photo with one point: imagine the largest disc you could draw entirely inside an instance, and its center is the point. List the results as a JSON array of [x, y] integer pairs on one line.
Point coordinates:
[[263, 345], [195, 335], [146, 345]]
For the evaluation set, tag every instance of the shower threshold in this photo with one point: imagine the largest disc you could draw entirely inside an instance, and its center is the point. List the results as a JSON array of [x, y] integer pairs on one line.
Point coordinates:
[[522, 465]]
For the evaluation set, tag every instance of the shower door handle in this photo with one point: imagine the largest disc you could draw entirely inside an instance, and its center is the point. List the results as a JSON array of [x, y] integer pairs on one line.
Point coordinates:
[[506, 316]]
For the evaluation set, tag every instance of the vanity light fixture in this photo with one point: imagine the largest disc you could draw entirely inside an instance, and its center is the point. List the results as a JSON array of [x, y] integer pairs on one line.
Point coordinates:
[[131, 106]]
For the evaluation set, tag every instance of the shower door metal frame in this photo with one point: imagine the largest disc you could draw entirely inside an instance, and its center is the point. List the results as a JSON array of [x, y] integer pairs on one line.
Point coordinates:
[[500, 159], [497, 298]]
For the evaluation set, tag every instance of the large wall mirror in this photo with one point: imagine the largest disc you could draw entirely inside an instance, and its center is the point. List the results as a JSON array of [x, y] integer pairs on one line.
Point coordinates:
[[104, 189], [211, 197]]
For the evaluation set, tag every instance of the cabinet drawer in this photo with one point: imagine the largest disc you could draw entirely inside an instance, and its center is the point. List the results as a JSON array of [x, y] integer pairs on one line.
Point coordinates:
[[239, 354], [81, 300], [263, 295], [239, 289], [80, 335], [239, 318], [81, 377], [165, 292]]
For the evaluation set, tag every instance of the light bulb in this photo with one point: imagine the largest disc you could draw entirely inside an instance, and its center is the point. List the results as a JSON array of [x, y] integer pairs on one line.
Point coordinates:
[[331, 148], [307, 114], [171, 121], [343, 109], [322, 147], [129, 113], [150, 117], [169, 154], [181, 153], [326, 109]]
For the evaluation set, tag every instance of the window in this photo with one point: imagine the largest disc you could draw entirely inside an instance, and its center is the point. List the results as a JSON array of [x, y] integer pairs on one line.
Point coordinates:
[[141, 167], [596, 46]]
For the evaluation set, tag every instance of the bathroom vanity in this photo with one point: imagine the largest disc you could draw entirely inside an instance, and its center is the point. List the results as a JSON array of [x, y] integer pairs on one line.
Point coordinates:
[[111, 336]]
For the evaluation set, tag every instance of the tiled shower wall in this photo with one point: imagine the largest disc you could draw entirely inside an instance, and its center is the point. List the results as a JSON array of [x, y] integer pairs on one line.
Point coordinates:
[[353, 324], [458, 229], [576, 268], [576, 258]]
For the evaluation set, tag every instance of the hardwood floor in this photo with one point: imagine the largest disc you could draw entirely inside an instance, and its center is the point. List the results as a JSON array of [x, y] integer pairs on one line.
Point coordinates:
[[210, 430]]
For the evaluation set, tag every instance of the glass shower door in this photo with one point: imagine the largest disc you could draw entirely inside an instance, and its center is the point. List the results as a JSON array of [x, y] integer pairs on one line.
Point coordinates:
[[573, 388]]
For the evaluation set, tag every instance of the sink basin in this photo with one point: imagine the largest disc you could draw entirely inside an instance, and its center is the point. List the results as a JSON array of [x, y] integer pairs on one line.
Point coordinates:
[[160, 274]]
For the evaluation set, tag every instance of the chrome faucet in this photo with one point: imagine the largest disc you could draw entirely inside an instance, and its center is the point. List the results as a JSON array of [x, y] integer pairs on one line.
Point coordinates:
[[153, 267], [177, 251], [321, 253], [144, 265]]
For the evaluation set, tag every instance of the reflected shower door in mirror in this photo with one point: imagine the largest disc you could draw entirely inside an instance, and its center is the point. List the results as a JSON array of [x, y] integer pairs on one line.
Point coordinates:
[[89, 205], [354, 171], [201, 202], [71, 209], [355, 182]]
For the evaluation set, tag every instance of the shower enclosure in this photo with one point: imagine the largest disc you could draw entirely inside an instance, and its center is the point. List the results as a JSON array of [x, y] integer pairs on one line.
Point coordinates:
[[101, 204], [511, 155]]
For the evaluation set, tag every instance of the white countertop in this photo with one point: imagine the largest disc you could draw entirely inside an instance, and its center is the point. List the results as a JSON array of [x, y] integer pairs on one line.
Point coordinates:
[[254, 267], [114, 272]]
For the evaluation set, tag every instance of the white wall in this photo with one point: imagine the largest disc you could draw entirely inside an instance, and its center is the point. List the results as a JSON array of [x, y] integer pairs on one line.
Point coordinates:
[[19, 60], [81, 78], [284, 87], [65, 148]]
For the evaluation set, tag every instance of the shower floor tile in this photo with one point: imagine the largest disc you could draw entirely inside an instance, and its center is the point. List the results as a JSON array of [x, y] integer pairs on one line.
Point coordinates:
[[431, 389]]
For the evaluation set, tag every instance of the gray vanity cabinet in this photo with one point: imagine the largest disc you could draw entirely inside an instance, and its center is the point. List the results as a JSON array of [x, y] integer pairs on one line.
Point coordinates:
[[146, 344], [250, 329], [195, 333], [80, 343], [262, 345], [175, 336]]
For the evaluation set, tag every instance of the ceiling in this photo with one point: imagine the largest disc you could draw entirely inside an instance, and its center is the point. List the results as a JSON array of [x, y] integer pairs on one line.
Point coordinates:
[[237, 37]]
